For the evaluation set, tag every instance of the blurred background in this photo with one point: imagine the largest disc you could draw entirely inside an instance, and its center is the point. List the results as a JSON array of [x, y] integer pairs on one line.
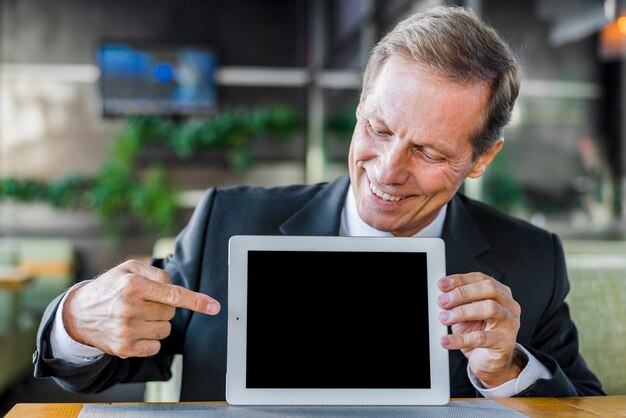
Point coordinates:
[[116, 115]]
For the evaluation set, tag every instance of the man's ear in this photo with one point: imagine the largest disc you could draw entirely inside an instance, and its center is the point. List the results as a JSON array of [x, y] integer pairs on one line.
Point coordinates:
[[481, 164]]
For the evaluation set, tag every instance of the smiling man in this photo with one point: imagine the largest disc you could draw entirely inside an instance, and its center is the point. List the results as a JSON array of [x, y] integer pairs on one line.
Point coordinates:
[[412, 146], [438, 91]]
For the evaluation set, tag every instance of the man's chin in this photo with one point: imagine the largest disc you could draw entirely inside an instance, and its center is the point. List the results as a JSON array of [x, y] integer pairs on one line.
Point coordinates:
[[379, 225]]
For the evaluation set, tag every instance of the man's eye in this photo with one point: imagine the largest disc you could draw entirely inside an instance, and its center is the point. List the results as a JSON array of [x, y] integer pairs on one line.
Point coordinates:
[[376, 132], [428, 156]]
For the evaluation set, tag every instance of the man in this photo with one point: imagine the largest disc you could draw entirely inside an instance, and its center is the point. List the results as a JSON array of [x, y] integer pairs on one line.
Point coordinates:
[[438, 91]]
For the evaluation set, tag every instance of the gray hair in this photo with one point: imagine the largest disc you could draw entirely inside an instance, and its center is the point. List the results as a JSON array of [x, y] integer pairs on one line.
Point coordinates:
[[456, 45]]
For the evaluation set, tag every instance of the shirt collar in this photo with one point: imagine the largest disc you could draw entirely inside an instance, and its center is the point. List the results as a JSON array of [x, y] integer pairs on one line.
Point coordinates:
[[353, 226]]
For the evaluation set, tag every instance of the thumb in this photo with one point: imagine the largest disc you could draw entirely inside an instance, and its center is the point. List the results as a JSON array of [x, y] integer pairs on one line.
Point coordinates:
[[146, 270]]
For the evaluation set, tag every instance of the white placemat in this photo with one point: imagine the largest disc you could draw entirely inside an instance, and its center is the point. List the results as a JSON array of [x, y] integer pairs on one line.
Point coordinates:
[[454, 409]]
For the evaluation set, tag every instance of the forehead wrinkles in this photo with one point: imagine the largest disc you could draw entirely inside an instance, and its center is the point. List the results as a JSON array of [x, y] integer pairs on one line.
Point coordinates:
[[443, 107], [394, 101]]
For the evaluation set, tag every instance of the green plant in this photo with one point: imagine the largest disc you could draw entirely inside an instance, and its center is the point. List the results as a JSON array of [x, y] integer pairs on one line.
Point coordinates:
[[66, 192], [502, 189], [121, 190], [232, 131], [342, 123]]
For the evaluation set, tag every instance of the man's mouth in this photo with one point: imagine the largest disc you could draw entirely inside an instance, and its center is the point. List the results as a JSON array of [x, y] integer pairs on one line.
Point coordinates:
[[383, 195]]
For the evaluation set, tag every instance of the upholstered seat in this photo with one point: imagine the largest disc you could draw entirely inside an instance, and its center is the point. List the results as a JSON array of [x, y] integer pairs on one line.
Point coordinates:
[[597, 271]]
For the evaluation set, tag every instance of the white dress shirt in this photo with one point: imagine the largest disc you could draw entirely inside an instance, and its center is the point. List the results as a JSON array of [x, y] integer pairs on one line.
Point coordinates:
[[64, 347]]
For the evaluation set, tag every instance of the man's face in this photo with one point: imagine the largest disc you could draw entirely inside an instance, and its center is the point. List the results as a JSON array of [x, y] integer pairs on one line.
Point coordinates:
[[411, 149]]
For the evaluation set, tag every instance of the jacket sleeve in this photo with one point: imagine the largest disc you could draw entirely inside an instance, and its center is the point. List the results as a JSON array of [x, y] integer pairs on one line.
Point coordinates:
[[98, 375], [555, 344]]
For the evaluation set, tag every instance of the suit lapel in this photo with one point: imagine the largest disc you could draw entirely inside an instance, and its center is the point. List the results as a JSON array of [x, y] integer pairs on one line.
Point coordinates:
[[465, 243], [322, 215]]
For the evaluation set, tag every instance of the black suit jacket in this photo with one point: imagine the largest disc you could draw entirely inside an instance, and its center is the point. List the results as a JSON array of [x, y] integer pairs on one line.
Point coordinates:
[[478, 238]]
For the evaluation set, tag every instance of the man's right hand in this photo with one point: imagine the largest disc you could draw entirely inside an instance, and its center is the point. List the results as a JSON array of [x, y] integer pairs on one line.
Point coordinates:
[[126, 311]]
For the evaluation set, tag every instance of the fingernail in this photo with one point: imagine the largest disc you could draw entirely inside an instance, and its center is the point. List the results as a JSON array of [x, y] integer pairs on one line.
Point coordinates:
[[212, 308], [445, 283], [444, 299], [445, 316], [446, 341]]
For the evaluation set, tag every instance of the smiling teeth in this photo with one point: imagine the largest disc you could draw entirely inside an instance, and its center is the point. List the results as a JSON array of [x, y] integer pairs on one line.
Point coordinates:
[[383, 195]]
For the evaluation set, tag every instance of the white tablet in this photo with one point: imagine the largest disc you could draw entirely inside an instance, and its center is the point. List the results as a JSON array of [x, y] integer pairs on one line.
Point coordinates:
[[335, 321]]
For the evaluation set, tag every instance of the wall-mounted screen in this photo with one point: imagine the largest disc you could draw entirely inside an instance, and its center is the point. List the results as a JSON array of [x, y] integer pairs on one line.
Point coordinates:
[[163, 78]]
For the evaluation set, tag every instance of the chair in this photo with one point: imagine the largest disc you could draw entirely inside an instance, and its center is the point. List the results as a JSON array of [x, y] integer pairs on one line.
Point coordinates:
[[597, 272]]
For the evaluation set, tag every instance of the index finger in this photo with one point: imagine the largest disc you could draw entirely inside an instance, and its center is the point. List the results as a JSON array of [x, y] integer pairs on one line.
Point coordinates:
[[180, 297]]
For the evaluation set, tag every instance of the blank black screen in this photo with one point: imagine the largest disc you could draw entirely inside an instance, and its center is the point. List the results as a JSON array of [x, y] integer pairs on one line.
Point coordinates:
[[342, 320]]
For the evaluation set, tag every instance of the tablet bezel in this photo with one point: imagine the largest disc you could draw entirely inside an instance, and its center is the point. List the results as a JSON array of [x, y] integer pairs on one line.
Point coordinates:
[[236, 391]]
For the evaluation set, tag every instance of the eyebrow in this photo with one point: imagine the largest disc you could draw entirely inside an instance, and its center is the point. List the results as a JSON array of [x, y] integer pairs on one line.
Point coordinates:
[[374, 115], [380, 122]]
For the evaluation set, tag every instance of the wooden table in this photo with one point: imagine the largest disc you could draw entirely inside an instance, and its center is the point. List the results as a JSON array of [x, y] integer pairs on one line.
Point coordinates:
[[13, 279], [587, 407]]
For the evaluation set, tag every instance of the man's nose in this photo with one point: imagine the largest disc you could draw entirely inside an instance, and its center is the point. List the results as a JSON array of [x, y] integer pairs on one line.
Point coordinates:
[[392, 167]]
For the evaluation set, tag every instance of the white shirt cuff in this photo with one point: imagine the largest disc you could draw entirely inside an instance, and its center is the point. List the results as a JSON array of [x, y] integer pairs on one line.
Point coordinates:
[[533, 371], [63, 346]]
